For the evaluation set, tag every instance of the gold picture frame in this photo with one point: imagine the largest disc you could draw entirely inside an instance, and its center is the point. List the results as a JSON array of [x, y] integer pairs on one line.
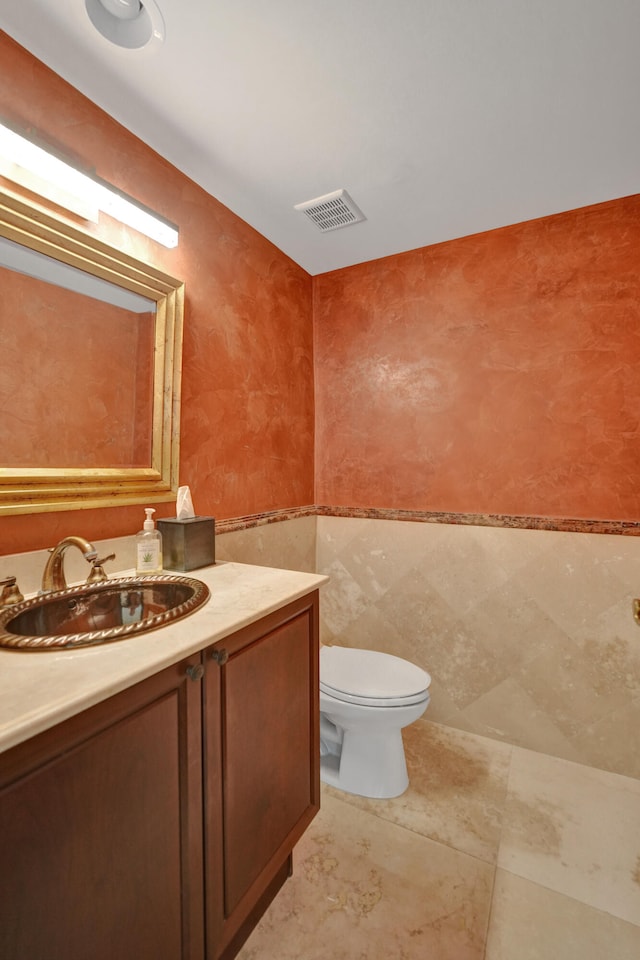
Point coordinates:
[[44, 488]]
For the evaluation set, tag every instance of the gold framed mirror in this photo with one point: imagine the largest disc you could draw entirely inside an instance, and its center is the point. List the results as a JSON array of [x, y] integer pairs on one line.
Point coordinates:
[[90, 369]]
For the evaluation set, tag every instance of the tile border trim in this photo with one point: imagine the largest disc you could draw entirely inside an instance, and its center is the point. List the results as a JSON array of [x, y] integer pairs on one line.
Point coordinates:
[[629, 528], [260, 519]]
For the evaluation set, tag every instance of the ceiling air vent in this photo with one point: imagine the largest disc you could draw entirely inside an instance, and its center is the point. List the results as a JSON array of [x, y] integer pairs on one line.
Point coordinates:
[[332, 211]]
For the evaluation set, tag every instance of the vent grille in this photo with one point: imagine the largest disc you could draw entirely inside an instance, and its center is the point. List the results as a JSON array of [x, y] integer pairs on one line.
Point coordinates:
[[332, 211]]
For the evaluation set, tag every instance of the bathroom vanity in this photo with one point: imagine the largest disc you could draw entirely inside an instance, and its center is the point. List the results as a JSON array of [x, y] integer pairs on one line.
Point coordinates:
[[152, 789]]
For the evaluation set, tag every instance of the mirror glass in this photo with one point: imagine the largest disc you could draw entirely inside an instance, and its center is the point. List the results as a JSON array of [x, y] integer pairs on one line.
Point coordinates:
[[76, 386], [89, 382]]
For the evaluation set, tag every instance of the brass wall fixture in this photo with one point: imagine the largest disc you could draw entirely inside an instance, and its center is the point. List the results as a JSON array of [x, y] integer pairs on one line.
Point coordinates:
[[636, 611]]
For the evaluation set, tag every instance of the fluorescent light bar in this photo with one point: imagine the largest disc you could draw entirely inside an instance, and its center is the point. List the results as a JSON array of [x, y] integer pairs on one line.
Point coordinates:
[[74, 190]]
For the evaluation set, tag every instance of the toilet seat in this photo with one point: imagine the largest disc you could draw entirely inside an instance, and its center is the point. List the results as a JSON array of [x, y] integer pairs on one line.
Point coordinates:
[[370, 678]]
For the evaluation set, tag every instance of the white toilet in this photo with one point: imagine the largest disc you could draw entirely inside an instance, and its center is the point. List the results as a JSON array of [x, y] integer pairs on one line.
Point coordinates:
[[366, 698]]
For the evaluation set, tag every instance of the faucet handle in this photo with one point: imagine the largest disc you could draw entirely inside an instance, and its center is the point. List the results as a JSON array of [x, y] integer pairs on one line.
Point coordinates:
[[97, 573], [10, 592]]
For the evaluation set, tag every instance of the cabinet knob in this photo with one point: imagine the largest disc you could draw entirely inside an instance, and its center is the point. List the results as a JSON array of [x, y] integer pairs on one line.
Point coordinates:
[[195, 672], [220, 656]]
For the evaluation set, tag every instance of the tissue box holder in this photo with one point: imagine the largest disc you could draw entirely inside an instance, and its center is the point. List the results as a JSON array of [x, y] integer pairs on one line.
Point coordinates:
[[188, 544]]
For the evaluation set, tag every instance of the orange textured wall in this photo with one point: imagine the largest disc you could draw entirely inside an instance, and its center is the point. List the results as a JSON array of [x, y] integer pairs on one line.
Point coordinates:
[[493, 374], [247, 409]]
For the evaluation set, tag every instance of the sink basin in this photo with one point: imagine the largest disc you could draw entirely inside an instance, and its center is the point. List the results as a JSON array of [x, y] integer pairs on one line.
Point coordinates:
[[100, 612]]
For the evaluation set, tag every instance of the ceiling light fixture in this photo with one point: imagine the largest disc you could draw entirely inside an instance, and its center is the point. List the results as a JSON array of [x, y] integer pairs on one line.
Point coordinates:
[[127, 23], [27, 164]]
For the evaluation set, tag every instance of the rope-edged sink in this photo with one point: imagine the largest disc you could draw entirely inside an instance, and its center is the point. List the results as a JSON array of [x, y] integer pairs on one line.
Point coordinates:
[[100, 612]]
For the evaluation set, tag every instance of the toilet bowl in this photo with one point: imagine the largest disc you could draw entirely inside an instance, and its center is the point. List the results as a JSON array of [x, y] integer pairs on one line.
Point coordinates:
[[366, 698]]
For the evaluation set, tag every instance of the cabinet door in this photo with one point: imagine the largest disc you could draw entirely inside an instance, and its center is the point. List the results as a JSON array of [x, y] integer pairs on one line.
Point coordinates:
[[261, 707], [100, 823]]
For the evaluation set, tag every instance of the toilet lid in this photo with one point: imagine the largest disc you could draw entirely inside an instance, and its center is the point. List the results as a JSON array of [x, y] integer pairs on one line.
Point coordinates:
[[370, 677]]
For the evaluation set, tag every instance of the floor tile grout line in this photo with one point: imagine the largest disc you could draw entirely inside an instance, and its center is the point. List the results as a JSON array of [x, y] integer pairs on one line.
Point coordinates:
[[415, 833], [507, 794], [566, 896], [490, 912]]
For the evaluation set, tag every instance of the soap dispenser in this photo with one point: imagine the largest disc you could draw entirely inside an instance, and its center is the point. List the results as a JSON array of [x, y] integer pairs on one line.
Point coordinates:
[[149, 546]]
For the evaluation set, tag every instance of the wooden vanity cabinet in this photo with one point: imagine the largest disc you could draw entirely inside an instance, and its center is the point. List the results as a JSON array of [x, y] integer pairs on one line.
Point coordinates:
[[262, 766], [101, 830], [159, 824]]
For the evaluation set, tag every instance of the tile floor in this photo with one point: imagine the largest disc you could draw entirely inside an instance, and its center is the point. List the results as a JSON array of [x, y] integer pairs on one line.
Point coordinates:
[[494, 852]]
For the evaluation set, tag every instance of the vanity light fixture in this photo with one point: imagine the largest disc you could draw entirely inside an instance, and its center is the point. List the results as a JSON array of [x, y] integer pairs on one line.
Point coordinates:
[[41, 172], [127, 23]]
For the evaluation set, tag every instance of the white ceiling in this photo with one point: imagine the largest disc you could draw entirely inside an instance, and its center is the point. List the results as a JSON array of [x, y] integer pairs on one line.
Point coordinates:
[[441, 118]]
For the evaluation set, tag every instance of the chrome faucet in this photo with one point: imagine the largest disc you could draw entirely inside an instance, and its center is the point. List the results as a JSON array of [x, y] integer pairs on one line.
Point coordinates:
[[53, 577]]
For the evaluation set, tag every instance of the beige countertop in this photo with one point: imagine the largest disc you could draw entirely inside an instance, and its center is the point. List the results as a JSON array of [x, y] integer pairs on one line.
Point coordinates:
[[40, 689]]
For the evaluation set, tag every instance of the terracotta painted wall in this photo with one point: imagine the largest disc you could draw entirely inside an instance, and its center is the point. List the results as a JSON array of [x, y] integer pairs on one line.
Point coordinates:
[[496, 374], [492, 374], [247, 408]]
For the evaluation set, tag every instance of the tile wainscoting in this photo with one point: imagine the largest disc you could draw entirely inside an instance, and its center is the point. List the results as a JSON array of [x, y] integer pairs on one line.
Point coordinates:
[[528, 634], [289, 543]]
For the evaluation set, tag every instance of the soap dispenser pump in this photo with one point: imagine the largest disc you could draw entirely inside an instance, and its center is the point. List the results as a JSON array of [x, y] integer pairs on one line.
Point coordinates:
[[149, 546]]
